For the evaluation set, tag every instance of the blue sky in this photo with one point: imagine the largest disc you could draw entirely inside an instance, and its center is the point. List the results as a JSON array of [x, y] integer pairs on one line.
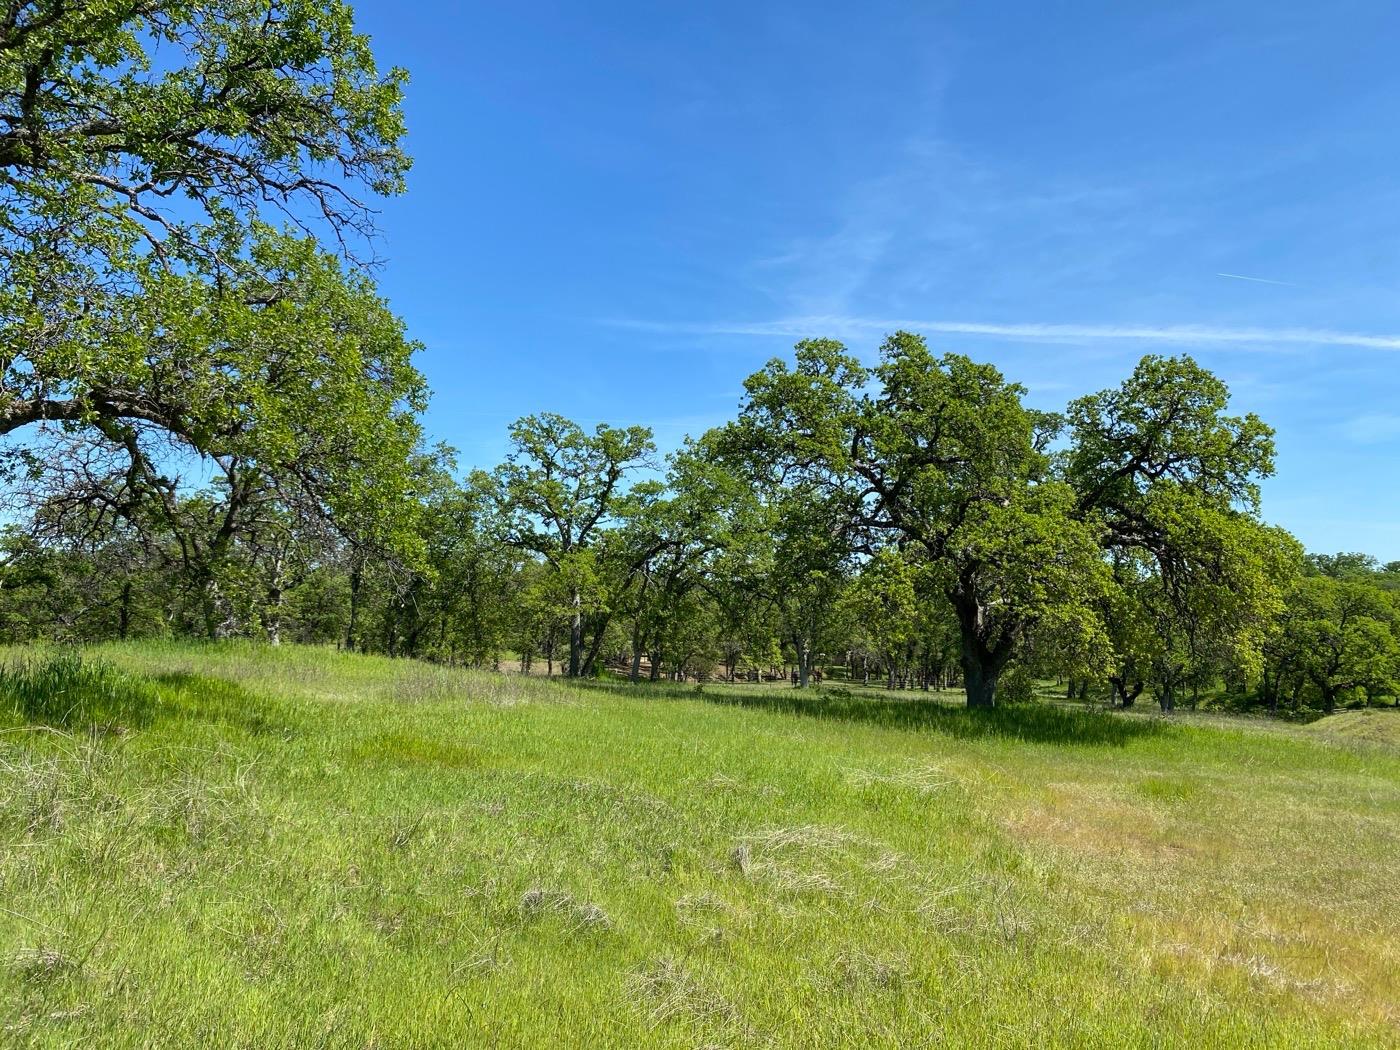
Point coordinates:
[[619, 210]]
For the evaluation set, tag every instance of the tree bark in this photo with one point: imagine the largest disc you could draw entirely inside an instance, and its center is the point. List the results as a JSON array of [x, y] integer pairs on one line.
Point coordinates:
[[356, 580], [590, 658], [124, 617], [980, 683], [274, 615], [636, 674], [804, 662], [576, 637], [1126, 696], [982, 664]]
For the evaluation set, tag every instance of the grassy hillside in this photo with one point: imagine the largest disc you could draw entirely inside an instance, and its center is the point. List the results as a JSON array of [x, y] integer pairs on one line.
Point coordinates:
[[1378, 726], [234, 846]]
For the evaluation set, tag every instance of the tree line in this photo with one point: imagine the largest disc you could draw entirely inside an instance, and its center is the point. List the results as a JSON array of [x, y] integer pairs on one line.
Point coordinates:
[[209, 426], [913, 525]]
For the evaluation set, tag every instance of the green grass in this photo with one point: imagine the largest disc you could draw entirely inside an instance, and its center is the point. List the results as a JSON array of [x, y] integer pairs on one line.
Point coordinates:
[[241, 846], [1366, 726]]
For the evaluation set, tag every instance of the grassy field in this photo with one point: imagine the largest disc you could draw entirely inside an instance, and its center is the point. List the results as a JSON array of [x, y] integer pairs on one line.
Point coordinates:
[[241, 846]]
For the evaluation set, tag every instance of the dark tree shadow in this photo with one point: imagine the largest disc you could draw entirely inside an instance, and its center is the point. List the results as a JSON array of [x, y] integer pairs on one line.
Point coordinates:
[[1041, 723], [204, 698]]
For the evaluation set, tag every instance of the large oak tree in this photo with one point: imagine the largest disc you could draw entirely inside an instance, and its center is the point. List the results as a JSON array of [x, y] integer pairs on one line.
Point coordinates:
[[940, 454], [168, 169]]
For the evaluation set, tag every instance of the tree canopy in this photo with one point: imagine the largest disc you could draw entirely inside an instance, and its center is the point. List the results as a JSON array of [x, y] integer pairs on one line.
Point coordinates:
[[167, 171]]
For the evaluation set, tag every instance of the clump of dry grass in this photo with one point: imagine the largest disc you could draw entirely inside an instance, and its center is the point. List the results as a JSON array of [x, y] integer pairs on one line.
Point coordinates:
[[713, 918], [671, 994], [858, 969], [579, 915], [923, 779], [34, 792], [43, 963]]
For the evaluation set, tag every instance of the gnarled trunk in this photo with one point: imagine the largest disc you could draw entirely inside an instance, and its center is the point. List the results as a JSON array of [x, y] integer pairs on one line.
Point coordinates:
[[982, 662], [1125, 693]]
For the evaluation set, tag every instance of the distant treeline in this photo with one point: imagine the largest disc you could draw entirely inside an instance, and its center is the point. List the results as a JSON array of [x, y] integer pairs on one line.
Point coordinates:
[[209, 426], [916, 539]]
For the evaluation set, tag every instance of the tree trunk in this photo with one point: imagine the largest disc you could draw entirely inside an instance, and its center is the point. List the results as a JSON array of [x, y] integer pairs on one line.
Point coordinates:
[[1126, 697], [274, 616], [576, 637], [124, 616], [356, 579], [980, 683], [211, 609], [981, 664], [590, 658]]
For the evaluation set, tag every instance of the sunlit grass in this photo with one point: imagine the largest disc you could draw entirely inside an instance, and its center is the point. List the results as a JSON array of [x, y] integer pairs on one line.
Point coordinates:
[[1379, 726], [235, 845]]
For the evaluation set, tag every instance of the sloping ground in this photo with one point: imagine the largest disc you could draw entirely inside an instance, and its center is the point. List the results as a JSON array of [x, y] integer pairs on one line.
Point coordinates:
[[233, 846], [1368, 726]]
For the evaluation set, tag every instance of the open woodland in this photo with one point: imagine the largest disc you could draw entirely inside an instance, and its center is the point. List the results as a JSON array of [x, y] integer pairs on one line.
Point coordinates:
[[893, 711]]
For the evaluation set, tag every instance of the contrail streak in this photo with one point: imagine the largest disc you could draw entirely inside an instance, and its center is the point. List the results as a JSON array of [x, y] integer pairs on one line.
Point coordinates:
[[1256, 280]]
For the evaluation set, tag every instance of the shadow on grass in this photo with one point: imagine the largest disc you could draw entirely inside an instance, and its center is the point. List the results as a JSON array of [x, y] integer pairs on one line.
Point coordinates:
[[1037, 723], [203, 698], [69, 692]]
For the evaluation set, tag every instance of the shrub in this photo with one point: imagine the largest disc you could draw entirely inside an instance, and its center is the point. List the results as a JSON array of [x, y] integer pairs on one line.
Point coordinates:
[[1016, 686]]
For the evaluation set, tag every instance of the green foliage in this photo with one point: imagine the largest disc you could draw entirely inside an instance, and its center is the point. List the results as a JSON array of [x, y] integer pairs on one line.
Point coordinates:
[[1174, 481], [945, 458], [1164, 424], [1341, 635], [556, 496], [907, 521], [1016, 685], [168, 169]]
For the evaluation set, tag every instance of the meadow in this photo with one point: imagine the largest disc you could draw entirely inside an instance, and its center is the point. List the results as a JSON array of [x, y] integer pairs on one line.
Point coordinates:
[[235, 845]]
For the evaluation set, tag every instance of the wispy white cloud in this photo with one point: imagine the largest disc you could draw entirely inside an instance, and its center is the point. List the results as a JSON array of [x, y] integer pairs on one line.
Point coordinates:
[[1256, 280], [932, 218], [1179, 334], [1373, 428]]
